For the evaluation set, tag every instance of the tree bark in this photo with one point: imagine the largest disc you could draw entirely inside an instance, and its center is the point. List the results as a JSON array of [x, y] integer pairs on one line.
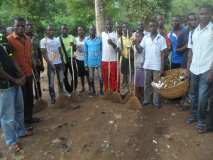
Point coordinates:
[[99, 12]]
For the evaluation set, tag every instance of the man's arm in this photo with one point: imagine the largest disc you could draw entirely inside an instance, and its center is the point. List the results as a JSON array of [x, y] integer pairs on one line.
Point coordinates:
[[44, 53], [86, 54], [210, 75], [114, 46], [189, 61], [138, 48], [61, 55], [163, 53], [182, 48], [6, 76]]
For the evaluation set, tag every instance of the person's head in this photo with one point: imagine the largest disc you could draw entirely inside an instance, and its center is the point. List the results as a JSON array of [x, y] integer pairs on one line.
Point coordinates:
[[50, 31], [153, 27], [138, 37], [176, 22], [160, 20], [125, 29], [64, 30], [119, 29], [192, 20], [205, 14], [29, 27], [92, 31], [140, 26], [19, 25], [80, 31], [109, 25]]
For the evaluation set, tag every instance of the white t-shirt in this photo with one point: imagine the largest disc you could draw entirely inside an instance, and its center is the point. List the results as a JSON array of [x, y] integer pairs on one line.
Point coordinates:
[[79, 49], [201, 44], [108, 52], [153, 50], [52, 46]]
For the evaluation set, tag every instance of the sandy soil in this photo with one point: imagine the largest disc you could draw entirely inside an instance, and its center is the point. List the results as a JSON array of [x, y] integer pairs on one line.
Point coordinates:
[[97, 129]]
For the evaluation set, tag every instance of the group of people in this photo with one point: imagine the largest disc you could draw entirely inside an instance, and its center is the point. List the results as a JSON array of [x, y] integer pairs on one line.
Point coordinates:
[[114, 56]]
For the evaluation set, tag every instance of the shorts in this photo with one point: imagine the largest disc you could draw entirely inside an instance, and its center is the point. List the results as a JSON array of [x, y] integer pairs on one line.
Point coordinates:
[[81, 69], [139, 77]]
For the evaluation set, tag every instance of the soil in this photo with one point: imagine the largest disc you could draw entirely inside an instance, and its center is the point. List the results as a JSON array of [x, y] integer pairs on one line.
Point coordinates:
[[96, 129]]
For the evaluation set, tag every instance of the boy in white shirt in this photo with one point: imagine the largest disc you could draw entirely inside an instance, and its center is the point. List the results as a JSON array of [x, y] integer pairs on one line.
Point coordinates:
[[154, 46], [109, 58], [50, 47]]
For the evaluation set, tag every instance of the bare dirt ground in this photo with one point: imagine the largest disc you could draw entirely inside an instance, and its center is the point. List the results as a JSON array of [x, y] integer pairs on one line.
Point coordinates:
[[97, 129]]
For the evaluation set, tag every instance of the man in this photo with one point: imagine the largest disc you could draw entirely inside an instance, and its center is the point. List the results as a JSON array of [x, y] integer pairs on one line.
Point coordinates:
[[79, 55], [92, 59], [11, 98], [37, 59], [50, 47], [154, 46], [22, 47], [109, 58], [178, 38], [124, 46], [199, 64], [67, 42], [141, 30]]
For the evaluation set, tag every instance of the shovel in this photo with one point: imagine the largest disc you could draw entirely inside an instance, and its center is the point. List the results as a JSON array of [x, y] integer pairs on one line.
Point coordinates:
[[116, 97], [74, 94], [40, 104]]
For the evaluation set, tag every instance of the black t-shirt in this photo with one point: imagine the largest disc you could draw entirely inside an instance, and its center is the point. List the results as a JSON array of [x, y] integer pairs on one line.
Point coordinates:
[[7, 64]]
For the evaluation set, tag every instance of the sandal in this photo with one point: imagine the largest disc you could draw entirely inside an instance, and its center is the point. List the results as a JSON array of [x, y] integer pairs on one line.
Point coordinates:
[[15, 148], [28, 134]]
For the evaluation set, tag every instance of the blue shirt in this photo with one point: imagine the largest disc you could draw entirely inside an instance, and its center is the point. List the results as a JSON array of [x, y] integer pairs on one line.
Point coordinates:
[[93, 52], [178, 41]]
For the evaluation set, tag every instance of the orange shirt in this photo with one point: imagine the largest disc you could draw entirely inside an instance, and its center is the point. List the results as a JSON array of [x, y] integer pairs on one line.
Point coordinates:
[[22, 52]]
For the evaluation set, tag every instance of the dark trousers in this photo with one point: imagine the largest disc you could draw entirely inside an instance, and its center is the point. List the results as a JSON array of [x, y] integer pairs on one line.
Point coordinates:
[[37, 88], [27, 90], [71, 68], [210, 113]]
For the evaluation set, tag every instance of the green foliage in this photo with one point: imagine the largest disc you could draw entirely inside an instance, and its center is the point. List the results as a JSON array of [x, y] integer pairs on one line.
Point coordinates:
[[81, 12]]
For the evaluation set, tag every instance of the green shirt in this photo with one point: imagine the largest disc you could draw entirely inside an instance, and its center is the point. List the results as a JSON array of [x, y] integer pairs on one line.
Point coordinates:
[[69, 50]]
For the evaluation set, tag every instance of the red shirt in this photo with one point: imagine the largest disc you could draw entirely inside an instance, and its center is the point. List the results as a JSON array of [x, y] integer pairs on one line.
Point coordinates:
[[22, 52]]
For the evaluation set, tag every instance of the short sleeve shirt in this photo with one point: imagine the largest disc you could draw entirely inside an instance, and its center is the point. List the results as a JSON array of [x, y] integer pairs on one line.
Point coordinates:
[[79, 49], [123, 44], [153, 49], [202, 49], [67, 44], [22, 52], [108, 52], [52, 46], [177, 41]]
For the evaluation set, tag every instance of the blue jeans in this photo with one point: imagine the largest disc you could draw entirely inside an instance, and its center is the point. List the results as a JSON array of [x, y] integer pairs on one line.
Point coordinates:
[[12, 114], [199, 95], [59, 71]]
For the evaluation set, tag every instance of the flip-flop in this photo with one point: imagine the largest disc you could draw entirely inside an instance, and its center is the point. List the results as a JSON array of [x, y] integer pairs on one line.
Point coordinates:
[[15, 148], [28, 134]]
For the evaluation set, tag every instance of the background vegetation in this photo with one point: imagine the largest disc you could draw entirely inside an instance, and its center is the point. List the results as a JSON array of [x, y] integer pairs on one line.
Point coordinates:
[[81, 12]]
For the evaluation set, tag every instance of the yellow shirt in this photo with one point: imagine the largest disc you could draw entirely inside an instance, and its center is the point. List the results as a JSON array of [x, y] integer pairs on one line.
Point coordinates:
[[124, 47]]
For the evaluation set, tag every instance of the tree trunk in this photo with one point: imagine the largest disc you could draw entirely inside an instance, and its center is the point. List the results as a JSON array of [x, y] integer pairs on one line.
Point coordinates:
[[99, 12]]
